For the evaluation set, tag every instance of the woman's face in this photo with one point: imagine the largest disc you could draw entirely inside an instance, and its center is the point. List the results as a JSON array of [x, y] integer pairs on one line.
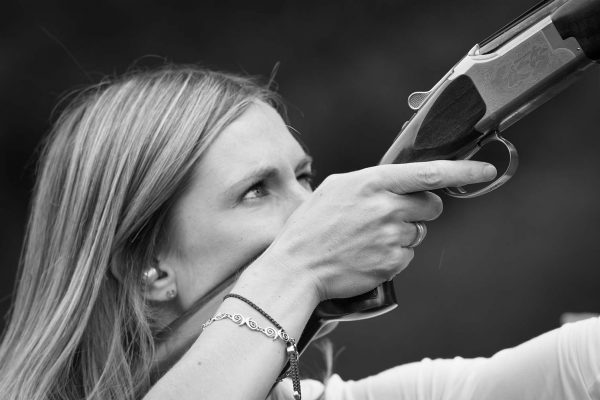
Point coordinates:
[[249, 181]]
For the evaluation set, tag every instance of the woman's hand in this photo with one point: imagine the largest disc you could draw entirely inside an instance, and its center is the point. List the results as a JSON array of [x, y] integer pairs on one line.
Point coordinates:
[[352, 233]]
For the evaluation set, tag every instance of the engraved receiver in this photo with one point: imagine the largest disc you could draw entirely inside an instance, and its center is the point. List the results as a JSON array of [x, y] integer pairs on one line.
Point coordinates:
[[498, 82]]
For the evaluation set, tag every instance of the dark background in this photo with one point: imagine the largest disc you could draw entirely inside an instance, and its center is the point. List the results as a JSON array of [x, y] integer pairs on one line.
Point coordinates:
[[493, 272]]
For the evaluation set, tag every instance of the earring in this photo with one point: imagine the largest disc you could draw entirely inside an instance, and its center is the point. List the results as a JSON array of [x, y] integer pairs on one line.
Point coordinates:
[[171, 293], [150, 275]]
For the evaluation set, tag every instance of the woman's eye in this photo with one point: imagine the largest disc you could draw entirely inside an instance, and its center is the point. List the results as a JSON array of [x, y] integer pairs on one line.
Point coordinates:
[[307, 179], [256, 191]]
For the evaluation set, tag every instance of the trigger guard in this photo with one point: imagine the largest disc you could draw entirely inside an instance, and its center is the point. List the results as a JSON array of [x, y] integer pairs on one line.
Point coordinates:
[[513, 163]]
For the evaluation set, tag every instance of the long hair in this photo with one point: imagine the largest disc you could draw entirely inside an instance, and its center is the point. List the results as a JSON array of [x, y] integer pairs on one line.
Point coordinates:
[[114, 162]]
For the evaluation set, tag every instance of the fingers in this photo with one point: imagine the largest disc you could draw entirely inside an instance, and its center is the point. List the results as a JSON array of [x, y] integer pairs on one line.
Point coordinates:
[[409, 233], [408, 254], [431, 175], [420, 206]]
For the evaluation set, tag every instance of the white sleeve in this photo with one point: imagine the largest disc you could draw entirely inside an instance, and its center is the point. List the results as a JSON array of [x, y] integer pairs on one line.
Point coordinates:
[[561, 364]]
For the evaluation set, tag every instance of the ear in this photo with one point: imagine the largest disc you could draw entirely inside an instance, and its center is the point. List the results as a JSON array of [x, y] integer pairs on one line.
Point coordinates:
[[164, 287]]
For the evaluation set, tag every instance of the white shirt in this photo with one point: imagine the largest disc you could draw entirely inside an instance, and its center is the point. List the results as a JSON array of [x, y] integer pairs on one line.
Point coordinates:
[[561, 364]]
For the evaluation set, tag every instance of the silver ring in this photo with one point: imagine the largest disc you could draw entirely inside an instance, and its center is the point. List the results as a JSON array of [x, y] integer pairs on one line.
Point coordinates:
[[421, 233]]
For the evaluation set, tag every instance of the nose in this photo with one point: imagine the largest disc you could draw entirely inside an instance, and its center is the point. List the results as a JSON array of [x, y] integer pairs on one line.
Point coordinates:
[[297, 195]]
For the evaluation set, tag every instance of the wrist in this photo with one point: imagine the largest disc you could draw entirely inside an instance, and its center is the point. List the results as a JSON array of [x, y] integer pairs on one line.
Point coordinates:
[[288, 296]]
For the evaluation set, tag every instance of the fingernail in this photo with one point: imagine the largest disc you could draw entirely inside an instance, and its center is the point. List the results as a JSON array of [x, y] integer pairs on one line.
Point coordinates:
[[489, 171]]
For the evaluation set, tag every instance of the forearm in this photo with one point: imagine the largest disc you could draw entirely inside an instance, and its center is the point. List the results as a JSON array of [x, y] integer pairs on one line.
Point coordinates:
[[233, 362], [561, 364]]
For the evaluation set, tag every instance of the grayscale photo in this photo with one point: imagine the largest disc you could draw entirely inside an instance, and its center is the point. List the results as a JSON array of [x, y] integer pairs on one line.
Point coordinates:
[[300, 200]]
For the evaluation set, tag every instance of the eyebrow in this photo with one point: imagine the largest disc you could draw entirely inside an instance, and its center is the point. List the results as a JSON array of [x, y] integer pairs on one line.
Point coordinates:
[[260, 173]]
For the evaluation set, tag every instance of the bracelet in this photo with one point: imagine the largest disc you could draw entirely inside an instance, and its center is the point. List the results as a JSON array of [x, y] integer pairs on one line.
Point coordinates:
[[273, 333], [240, 320]]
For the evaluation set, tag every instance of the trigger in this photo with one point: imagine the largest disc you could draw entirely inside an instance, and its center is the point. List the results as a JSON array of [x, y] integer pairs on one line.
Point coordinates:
[[513, 162]]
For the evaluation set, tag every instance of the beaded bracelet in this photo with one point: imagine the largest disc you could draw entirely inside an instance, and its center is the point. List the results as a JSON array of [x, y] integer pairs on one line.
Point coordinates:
[[270, 332]]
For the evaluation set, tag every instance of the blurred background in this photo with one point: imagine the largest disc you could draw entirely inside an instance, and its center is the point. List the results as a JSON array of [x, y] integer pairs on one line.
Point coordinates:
[[493, 272]]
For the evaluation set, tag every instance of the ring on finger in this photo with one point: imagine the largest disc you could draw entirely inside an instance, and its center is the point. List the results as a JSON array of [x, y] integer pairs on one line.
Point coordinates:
[[421, 233]]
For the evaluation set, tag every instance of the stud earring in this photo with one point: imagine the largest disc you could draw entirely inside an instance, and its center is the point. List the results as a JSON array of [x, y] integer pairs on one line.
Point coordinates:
[[171, 293]]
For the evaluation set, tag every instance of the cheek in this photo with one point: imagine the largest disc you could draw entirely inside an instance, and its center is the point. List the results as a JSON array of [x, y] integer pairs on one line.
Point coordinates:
[[212, 246], [245, 237], [226, 244]]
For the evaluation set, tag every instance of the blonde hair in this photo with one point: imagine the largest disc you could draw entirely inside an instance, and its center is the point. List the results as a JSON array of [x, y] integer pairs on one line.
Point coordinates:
[[115, 161]]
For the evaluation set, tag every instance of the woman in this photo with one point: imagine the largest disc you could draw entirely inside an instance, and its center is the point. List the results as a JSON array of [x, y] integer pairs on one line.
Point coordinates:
[[156, 187]]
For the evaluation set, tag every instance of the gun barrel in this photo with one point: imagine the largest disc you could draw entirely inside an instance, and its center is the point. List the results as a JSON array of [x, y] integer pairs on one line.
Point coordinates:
[[519, 24]]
